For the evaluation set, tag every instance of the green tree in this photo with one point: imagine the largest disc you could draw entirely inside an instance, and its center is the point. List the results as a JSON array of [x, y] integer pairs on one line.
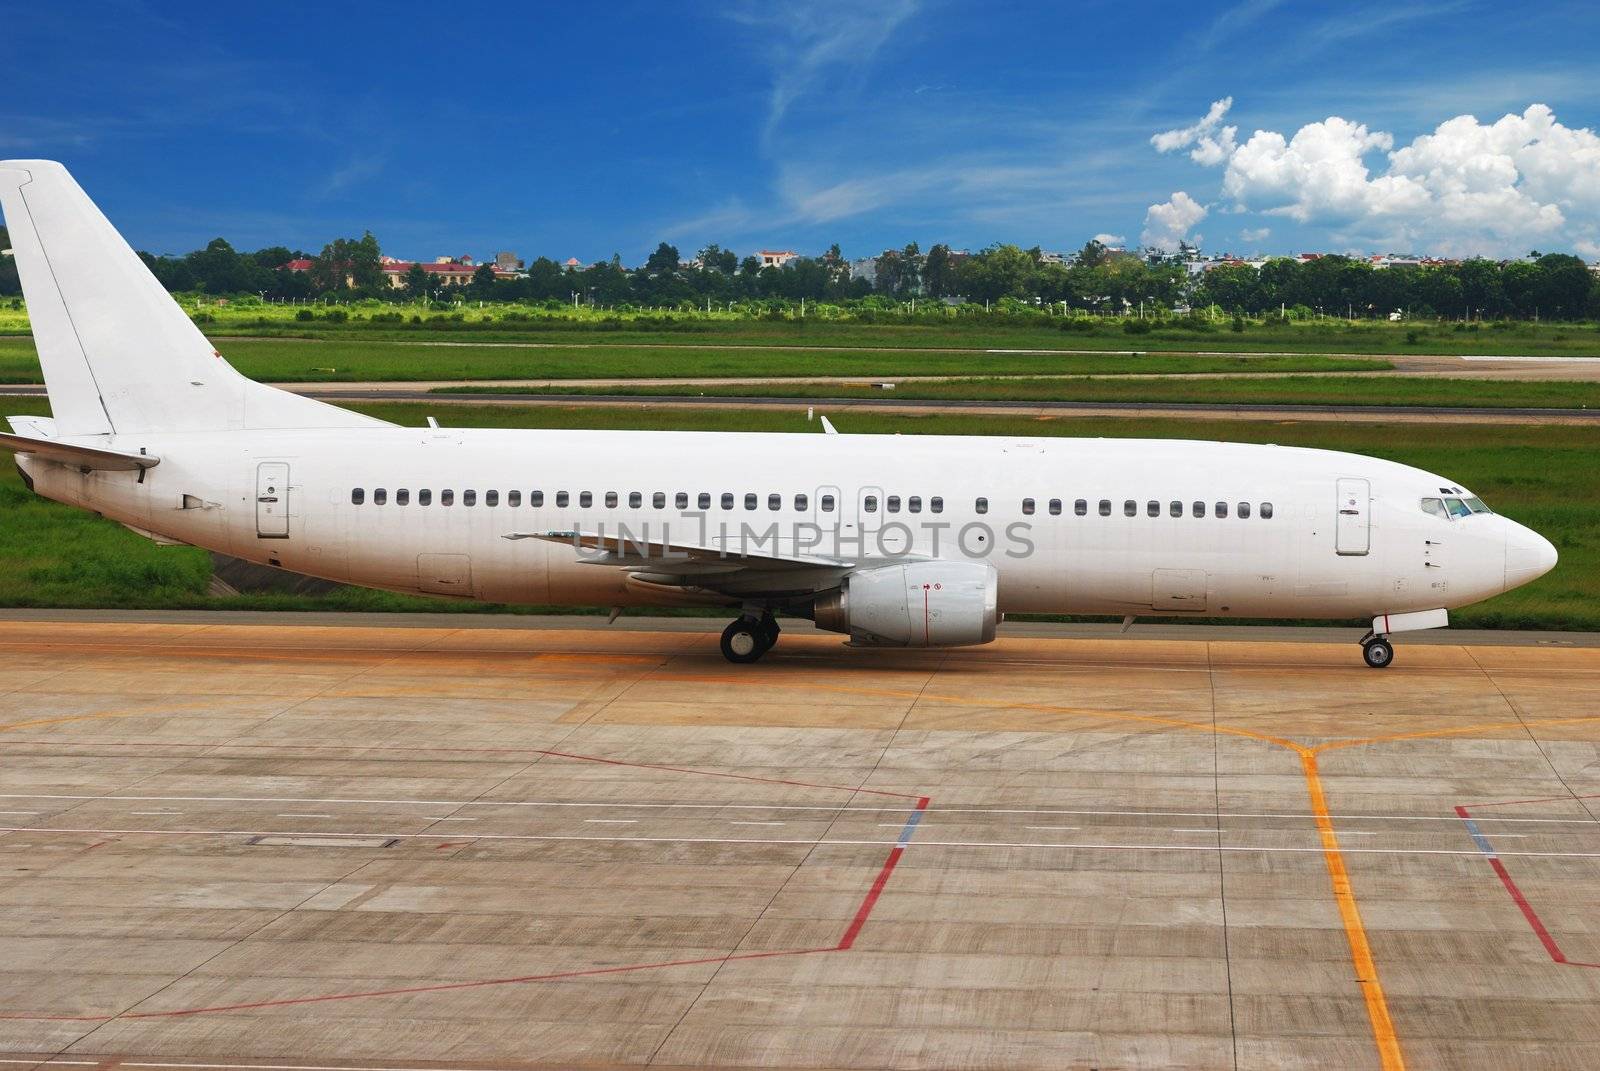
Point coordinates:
[[418, 281], [10, 284], [1565, 284], [664, 261], [938, 272]]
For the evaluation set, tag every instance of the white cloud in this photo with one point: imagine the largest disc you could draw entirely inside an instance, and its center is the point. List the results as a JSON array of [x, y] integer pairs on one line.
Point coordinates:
[[1467, 187], [1255, 234], [1112, 241], [1168, 223], [1211, 145]]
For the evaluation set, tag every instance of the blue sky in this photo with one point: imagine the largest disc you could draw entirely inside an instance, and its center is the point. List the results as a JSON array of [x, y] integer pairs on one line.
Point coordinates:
[[566, 132]]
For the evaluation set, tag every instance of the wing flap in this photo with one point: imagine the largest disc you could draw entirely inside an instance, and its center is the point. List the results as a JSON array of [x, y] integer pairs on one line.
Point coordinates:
[[680, 557]]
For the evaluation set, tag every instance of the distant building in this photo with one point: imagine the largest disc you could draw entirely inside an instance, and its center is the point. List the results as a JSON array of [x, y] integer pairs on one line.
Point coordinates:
[[298, 264], [776, 258], [865, 268], [572, 264], [507, 261]]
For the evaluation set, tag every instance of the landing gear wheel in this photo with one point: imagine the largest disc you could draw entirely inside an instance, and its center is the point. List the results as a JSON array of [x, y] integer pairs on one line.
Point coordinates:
[[769, 631], [1377, 653], [744, 641]]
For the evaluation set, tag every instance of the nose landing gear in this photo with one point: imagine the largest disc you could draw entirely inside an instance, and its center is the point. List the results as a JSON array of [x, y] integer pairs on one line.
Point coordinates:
[[1376, 651], [748, 638]]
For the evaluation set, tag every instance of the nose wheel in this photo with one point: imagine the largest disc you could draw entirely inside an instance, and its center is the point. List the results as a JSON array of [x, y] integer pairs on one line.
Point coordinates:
[[1377, 652], [747, 639]]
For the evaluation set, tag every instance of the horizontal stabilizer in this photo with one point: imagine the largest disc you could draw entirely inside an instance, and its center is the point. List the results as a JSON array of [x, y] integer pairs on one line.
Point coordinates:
[[83, 457]]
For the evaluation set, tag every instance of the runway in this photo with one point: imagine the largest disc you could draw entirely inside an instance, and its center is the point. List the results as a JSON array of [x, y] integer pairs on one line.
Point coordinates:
[[554, 844]]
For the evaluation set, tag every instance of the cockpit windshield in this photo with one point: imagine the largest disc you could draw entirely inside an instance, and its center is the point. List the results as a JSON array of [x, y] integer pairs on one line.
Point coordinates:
[[1451, 507]]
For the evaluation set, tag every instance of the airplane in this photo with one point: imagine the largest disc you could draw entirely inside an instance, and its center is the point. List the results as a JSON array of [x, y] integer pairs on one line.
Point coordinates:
[[894, 541]]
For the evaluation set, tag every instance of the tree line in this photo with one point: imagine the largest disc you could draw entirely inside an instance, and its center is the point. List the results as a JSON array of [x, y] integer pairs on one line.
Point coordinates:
[[1552, 286]]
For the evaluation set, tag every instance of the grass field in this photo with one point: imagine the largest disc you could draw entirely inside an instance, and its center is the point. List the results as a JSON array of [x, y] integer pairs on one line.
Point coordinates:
[[291, 361], [1546, 477], [1293, 390], [937, 330]]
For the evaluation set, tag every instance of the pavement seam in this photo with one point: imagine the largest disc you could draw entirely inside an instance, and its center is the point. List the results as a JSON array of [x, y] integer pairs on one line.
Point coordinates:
[[1222, 869]]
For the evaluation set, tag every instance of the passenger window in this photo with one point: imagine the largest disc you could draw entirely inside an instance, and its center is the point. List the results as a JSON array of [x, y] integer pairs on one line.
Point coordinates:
[[1130, 508], [425, 497], [914, 504], [611, 500], [870, 504], [658, 500], [935, 504], [447, 498], [1105, 507], [801, 503], [1152, 508], [1055, 507], [727, 500], [380, 496], [585, 499], [1175, 508], [535, 499], [513, 498], [774, 502], [562, 499], [469, 498], [827, 503], [750, 500], [358, 495], [680, 500], [892, 503], [1456, 507], [1197, 509], [491, 498], [635, 499], [1266, 511], [1027, 507], [704, 501], [1244, 510], [982, 505], [1081, 507], [402, 497], [1222, 509]]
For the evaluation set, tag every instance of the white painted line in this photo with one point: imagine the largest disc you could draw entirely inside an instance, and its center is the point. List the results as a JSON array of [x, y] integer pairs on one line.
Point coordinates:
[[19, 812], [1049, 827], [736, 822], [1200, 829], [1530, 360], [976, 844], [306, 816], [613, 821], [163, 813]]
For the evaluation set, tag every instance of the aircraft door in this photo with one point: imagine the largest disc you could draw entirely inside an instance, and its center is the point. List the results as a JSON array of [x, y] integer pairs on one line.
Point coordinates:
[[1352, 526], [272, 500]]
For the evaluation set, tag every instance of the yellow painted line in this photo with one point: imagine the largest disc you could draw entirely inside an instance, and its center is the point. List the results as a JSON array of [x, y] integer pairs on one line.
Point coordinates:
[[1350, 914]]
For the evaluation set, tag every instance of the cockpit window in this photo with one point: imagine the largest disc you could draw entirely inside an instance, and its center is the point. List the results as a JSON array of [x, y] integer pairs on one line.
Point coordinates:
[[1476, 505], [1456, 507], [1435, 506]]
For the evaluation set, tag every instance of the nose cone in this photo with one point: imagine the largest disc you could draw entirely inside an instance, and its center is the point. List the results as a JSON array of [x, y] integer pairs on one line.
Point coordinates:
[[1529, 555]]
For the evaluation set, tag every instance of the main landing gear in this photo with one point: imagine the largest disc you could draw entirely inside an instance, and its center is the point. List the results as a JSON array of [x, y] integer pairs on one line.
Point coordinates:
[[1376, 651], [750, 637]]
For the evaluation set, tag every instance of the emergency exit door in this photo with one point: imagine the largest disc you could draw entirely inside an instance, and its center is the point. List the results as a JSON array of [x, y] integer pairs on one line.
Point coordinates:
[[272, 500], [1352, 528]]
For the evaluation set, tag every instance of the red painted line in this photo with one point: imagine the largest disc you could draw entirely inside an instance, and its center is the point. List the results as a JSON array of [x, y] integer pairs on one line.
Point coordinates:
[[1547, 799], [1539, 929], [870, 901], [1529, 913]]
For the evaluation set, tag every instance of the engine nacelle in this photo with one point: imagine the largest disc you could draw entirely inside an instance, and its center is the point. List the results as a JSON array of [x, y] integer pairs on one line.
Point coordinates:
[[914, 604]]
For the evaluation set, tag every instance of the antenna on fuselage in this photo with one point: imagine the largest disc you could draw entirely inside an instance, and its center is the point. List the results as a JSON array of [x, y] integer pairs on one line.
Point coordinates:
[[828, 428], [432, 423]]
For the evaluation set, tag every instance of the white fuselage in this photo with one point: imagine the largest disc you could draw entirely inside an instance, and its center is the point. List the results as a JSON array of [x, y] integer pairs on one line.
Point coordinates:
[[1346, 536]]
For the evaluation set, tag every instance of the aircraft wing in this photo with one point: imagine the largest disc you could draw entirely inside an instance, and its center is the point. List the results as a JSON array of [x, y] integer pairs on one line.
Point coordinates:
[[678, 556]]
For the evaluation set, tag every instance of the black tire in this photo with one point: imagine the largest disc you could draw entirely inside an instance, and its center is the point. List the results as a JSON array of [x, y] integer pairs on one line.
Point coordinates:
[[743, 641], [1378, 653], [769, 631]]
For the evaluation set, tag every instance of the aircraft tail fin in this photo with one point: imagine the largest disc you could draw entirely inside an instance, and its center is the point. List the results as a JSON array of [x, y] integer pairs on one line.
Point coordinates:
[[119, 355]]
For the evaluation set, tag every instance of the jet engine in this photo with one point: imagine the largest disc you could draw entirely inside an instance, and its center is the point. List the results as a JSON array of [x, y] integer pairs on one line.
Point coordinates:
[[913, 604]]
